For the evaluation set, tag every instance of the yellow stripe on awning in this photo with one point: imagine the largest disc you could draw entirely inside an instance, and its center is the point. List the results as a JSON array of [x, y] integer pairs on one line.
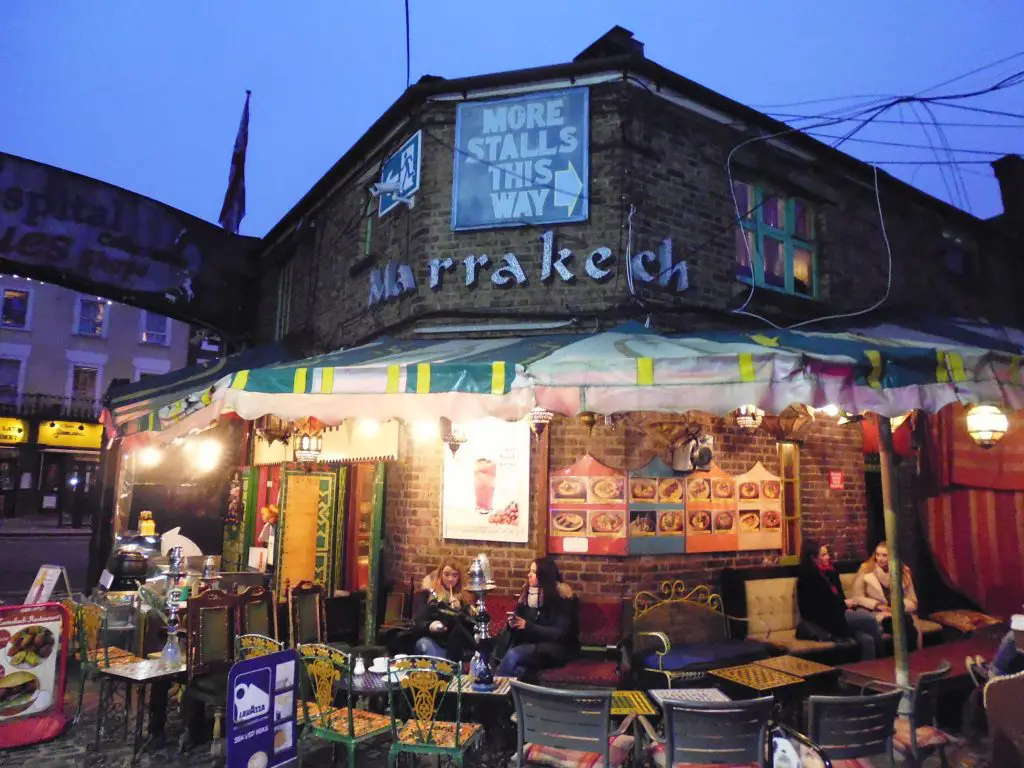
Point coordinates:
[[394, 375], [746, 363], [875, 377], [327, 380], [240, 380], [1014, 369], [950, 365], [498, 377], [299, 384], [645, 371], [423, 379]]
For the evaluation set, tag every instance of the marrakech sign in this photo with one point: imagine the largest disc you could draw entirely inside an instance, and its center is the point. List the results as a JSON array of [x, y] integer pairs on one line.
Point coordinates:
[[394, 280], [93, 237]]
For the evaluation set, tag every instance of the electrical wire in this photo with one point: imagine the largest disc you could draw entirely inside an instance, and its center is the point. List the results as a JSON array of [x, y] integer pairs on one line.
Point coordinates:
[[890, 121], [408, 48], [883, 142]]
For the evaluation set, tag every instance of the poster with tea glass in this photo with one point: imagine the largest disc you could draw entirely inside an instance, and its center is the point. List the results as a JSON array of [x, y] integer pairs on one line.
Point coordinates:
[[711, 507], [486, 483], [657, 510], [759, 496], [588, 509]]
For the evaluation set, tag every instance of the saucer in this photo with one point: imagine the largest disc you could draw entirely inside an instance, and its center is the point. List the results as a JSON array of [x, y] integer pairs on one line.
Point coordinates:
[[377, 670]]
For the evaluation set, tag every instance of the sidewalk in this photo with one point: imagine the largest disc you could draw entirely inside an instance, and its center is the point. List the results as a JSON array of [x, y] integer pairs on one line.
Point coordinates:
[[41, 525]]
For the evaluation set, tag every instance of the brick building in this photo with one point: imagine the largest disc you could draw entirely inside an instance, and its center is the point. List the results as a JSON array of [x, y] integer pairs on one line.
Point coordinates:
[[660, 151]]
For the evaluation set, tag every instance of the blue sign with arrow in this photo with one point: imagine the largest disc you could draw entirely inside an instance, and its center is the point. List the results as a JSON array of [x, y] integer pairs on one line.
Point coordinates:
[[522, 160], [401, 172]]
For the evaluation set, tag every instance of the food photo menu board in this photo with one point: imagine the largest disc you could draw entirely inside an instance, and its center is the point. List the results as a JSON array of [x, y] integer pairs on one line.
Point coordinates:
[[759, 495], [587, 509], [711, 524], [657, 510]]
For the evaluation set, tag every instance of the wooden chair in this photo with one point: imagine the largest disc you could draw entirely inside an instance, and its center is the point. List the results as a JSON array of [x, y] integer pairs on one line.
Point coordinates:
[[425, 684], [212, 617], [851, 727], [251, 646], [94, 652], [307, 617], [711, 733], [566, 727], [257, 614], [916, 737], [1002, 697], [329, 675]]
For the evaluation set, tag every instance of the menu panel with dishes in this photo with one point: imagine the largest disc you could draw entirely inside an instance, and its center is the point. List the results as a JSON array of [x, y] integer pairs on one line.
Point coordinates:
[[760, 509], [588, 514], [711, 524], [657, 510]]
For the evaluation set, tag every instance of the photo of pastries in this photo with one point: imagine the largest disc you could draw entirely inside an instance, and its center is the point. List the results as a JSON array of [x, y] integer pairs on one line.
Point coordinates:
[[724, 489], [642, 489], [750, 522], [607, 488], [698, 488], [568, 522], [771, 520], [772, 489], [606, 522], [670, 522], [670, 490], [569, 488], [642, 524], [749, 491], [724, 521], [699, 521]]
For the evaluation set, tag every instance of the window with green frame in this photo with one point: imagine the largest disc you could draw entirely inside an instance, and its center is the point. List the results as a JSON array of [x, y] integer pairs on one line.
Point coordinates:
[[775, 244]]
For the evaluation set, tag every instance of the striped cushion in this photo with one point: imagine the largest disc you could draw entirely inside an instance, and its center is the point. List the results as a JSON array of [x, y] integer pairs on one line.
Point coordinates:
[[928, 736], [554, 757], [438, 733], [657, 753]]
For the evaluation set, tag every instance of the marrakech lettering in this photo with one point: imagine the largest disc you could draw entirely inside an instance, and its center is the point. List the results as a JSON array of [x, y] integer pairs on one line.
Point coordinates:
[[52, 219], [393, 280]]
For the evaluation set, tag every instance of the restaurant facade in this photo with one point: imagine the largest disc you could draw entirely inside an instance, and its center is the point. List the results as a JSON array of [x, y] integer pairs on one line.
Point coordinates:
[[604, 202]]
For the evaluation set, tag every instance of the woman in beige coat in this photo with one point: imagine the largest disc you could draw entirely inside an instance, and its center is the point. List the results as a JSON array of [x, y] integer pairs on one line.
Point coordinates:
[[871, 590]]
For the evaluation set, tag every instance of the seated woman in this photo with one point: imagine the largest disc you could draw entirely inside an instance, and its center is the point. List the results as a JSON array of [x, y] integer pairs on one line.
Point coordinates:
[[542, 632], [443, 624], [824, 606], [871, 590]]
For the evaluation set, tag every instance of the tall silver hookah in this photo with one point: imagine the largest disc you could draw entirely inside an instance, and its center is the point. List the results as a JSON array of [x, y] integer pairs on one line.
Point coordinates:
[[171, 653], [479, 583]]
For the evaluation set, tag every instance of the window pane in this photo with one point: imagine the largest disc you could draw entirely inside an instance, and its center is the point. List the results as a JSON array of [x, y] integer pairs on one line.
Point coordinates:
[[774, 262], [154, 328], [744, 252], [803, 227], [15, 309], [9, 374], [744, 198], [773, 212], [83, 383], [803, 272], [91, 317]]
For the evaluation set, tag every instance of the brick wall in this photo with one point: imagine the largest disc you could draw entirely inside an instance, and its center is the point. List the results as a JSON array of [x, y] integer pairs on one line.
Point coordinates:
[[414, 544]]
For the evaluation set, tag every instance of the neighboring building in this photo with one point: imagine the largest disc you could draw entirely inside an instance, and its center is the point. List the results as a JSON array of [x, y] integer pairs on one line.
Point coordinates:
[[59, 351]]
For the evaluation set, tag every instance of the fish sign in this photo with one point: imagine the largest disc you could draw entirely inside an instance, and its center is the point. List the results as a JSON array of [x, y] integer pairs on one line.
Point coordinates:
[[522, 160]]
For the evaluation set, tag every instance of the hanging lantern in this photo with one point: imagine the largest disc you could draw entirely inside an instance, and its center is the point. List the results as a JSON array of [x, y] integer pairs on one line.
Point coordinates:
[[539, 419], [273, 428], [588, 420], [986, 424], [748, 417], [308, 440], [451, 435]]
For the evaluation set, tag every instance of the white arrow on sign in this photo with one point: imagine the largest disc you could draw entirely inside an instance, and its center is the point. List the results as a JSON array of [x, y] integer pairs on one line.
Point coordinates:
[[568, 186]]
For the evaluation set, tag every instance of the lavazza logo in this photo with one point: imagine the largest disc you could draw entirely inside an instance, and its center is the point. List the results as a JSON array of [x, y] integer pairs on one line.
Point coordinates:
[[252, 697]]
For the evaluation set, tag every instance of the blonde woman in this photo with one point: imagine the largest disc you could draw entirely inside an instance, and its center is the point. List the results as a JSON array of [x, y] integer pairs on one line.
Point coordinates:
[[872, 589], [443, 623]]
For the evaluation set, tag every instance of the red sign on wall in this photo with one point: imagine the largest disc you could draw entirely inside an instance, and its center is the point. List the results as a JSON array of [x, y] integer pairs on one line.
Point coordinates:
[[836, 480]]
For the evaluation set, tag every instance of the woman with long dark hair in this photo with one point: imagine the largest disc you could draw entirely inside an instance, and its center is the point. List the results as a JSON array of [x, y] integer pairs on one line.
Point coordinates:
[[542, 630], [824, 608]]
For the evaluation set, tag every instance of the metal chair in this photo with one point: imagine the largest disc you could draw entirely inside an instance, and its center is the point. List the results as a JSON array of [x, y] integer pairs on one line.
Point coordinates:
[[916, 737], [252, 645], [849, 727], [423, 685], [328, 670], [570, 727], [94, 653], [711, 733], [307, 617], [256, 612]]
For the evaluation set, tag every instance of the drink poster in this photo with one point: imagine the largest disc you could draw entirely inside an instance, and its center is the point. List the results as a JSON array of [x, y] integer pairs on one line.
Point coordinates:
[[760, 509], [657, 510], [486, 483], [588, 509], [262, 726], [33, 666], [711, 508]]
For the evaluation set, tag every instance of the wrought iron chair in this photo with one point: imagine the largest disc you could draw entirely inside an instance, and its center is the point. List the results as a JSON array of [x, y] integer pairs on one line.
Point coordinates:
[[851, 727], [257, 612], [307, 617], [328, 673], [566, 727], [252, 645], [711, 733], [423, 685], [917, 736], [94, 652]]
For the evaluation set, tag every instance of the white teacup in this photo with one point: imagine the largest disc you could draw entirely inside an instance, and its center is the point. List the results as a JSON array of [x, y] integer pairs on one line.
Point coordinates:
[[380, 662]]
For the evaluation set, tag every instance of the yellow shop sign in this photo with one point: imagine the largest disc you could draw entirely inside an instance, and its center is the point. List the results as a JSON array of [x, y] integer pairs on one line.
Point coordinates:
[[70, 434], [13, 431]]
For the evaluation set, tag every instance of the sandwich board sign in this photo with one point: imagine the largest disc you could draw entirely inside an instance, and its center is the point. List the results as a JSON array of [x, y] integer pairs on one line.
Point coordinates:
[[262, 727], [45, 583]]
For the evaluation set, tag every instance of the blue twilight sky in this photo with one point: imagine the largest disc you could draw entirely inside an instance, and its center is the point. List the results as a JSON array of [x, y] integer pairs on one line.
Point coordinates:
[[148, 95]]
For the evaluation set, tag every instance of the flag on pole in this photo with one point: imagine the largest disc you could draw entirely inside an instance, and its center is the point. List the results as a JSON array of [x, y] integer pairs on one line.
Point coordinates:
[[233, 210]]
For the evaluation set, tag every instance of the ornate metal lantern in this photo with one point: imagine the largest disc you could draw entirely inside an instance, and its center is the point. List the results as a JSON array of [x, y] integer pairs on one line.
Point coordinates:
[[308, 439], [986, 424]]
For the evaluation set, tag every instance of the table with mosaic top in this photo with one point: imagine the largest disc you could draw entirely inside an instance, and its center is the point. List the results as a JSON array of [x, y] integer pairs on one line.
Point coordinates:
[[794, 665], [757, 677], [699, 695]]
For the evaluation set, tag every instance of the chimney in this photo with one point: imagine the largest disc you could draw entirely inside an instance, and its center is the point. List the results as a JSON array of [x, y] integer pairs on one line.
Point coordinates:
[[1009, 170], [617, 41]]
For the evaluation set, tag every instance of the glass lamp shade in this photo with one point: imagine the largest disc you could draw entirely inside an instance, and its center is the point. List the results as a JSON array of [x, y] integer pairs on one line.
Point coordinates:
[[748, 417], [986, 424]]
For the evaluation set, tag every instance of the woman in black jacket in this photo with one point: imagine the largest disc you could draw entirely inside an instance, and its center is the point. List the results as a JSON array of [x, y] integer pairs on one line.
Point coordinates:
[[822, 602], [443, 623], [542, 632]]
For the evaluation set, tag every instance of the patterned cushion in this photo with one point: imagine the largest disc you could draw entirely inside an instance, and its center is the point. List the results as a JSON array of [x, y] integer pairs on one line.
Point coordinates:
[[708, 655], [336, 719], [964, 620], [657, 754], [596, 672], [928, 736], [619, 748], [441, 733], [600, 622]]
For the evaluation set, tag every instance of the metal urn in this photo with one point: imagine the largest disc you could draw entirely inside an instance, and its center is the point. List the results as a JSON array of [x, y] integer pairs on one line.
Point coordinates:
[[479, 583]]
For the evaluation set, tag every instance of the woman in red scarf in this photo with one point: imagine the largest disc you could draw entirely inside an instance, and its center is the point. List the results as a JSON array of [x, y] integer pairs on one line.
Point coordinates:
[[824, 607]]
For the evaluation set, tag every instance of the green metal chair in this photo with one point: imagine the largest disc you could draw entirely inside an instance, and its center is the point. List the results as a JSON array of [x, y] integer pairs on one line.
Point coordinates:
[[253, 645], [422, 684], [328, 674], [94, 652]]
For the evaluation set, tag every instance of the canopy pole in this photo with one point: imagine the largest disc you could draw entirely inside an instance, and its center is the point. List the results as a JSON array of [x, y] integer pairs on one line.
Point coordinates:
[[892, 538]]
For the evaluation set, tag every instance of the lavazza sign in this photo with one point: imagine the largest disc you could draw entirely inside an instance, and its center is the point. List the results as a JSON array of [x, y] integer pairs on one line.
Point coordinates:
[[394, 279]]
